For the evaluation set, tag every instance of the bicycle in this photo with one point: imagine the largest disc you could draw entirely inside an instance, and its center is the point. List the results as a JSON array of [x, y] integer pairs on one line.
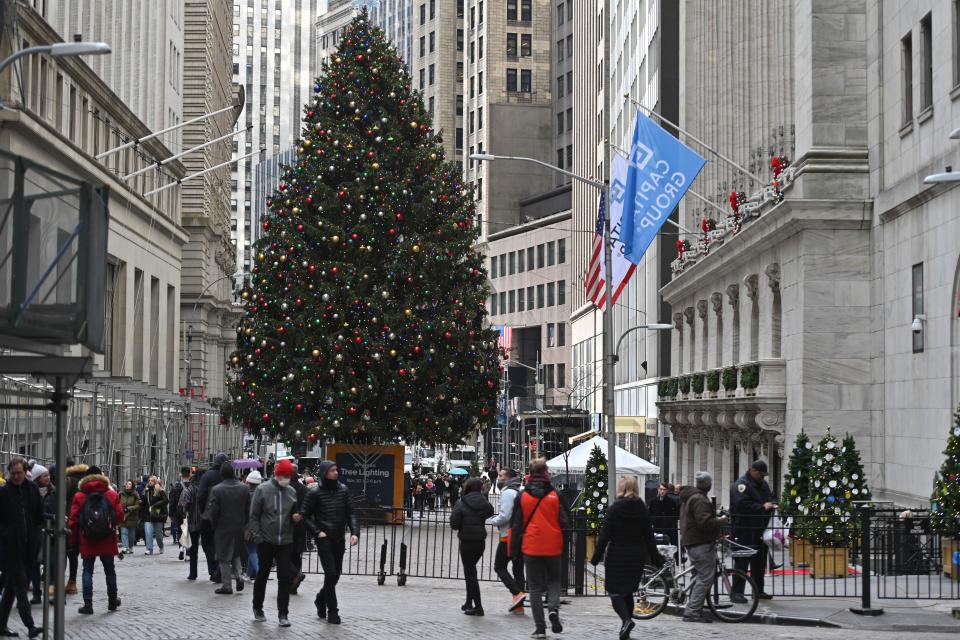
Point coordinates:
[[658, 587]]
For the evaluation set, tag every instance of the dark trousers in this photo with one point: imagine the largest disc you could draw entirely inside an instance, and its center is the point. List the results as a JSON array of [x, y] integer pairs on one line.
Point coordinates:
[[296, 561], [176, 530], [512, 582], [193, 552], [209, 550], [756, 565], [268, 553], [623, 605], [36, 577], [330, 553], [109, 572], [470, 553], [543, 576], [15, 585]]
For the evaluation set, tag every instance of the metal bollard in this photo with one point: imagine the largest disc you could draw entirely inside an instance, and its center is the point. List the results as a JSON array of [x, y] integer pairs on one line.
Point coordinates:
[[865, 609]]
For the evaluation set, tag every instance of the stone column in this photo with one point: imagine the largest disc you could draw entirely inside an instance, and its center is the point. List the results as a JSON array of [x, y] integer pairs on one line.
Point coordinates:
[[716, 351], [750, 349], [703, 348], [770, 316], [678, 343], [691, 342], [734, 348]]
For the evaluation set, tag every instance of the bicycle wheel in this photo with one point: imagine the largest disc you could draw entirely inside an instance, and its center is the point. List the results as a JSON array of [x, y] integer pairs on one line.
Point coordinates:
[[724, 604], [651, 598]]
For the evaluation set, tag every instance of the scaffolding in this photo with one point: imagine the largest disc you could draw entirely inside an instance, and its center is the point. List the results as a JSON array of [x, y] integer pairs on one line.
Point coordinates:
[[125, 427]]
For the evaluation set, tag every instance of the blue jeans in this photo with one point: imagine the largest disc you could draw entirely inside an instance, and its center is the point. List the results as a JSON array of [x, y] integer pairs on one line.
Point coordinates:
[[108, 570], [128, 537], [253, 561], [153, 531]]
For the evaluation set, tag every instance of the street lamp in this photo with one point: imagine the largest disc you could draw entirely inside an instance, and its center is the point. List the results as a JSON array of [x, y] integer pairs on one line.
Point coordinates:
[[609, 353], [58, 50]]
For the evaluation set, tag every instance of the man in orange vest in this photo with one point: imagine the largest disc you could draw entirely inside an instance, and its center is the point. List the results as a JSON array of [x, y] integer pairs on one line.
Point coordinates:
[[539, 518]]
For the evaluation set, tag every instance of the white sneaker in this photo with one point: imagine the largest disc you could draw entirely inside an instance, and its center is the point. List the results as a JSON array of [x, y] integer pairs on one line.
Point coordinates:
[[148, 553]]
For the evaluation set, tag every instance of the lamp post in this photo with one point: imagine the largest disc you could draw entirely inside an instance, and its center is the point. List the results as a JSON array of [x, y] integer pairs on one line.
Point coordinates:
[[609, 354]]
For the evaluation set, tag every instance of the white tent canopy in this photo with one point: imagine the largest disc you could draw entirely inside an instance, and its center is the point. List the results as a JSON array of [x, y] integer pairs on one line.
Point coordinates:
[[627, 463]]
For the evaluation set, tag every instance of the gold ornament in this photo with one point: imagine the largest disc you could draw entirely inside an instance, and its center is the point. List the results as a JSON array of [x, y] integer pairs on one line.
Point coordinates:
[[375, 165], [316, 353], [416, 248]]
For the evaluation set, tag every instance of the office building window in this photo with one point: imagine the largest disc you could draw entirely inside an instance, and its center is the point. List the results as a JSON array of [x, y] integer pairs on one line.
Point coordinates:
[[473, 18], [526, 45], [551, 254], [473, 87], [511, 80], [430, 108], [550, 382], [570, 156], [530, 263], [551, 294], [493, 304], [493, 267], [906, 78], [459, 72], [918, 306], [512, 10], [511, 45], [561, 15], [459, 8], [459, 41], [562, 292], [480, 118], [526, 81], [569, 82], [560, 158], [480, 12], [560, 92], [433, 9], [459, 105], [423, 14], [560, 50], [433, 74], [423, 46], [530, 298], [541, 255], [562, 334], [526, 10], [561, 375], [520, 261], [560, 123], [520, 300], [926, 63], [433, 41], [473, 51], [470, 122], [503, 264], [512, 262], [423, 78], [459, 140], [540, 295], [480, 83], [503, 302], [561, 251], [551, 335], [513, 300], [480, 47]]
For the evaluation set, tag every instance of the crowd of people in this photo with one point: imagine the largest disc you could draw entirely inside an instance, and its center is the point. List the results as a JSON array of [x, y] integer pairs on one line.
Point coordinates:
[[247, 523]]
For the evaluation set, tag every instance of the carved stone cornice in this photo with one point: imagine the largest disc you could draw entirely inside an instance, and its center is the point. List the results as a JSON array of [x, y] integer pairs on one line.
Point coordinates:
[[702, 309], [678, 321], [750, 283], [733, 295], [716, 300], [688, 314], [773, 276]]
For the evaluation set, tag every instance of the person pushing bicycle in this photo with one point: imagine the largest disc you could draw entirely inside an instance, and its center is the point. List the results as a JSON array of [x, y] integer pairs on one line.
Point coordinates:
[[699, 531]]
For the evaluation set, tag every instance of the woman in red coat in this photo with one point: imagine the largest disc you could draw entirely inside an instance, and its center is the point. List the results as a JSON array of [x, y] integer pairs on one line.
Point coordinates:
[[95, 517]]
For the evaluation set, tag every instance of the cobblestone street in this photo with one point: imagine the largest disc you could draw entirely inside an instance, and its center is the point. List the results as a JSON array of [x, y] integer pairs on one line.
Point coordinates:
[[160, 604]]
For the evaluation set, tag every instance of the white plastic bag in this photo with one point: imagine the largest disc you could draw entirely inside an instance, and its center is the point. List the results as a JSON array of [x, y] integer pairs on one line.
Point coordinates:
[[773, 536]]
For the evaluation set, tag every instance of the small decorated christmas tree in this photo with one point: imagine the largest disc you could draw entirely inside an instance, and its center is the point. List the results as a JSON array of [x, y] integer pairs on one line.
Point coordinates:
[[832, 518], [945, 501], [853, 470], [594, 497], [797, 481]]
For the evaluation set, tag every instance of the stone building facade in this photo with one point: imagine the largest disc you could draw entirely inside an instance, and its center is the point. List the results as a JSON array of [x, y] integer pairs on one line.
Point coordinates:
[[811, 290], [436, 68]]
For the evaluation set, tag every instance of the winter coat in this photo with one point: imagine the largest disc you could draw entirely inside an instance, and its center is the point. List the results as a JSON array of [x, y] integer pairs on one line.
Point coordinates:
[[327, 507], [626, 538], [698, 520], [190, 505], [508, 496], [271, 514], [155, 502], [131, 507], [747, 497], [21, 516], [93, 548], [210, 478], [227, 510], [664, 514], [299, 528], [541, 527], [174, 506], [470, 515]]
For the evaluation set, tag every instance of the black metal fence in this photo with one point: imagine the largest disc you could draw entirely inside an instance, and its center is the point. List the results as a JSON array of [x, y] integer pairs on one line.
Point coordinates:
[[905, 558]]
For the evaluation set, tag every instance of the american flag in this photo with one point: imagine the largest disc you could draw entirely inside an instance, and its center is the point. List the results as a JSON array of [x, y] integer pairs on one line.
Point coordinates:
[[593, 282], [505, 341]]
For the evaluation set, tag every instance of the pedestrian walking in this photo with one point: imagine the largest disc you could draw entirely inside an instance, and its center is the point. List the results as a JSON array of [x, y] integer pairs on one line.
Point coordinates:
[[21, 516], [227, 510], [190, 506], [252, 481], [508, 482], [75, 473], [273, 514], [176, 517], [468, 519], [665, 513], [211, 478], [95, 515], [328, 514], [539, 518], [625, 545], [699, 531], [751, 505], [155, 501], [299, 537], [130, 502]]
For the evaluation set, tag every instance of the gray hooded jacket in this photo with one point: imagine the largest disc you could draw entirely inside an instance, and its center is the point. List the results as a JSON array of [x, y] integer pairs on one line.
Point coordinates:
[[271, 514], [508, 496]]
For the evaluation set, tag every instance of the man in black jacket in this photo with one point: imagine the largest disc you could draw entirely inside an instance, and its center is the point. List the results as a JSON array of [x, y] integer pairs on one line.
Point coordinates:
[[299, 536], [751, 505], [327, 513], [21, 515], [208, 481]]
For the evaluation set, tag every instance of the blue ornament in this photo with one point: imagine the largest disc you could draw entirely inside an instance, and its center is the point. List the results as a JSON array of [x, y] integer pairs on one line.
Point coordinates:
[[831, 499]]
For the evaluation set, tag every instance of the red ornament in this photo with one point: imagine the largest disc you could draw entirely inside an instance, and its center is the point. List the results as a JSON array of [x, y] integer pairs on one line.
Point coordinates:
[[447, 335]]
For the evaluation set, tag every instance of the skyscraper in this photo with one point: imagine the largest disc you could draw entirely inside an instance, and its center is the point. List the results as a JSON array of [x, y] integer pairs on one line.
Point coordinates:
[[273, 54], [395, 17]]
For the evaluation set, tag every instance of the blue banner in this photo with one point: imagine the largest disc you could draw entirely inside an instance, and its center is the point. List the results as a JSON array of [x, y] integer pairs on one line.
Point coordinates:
[[661, 169]]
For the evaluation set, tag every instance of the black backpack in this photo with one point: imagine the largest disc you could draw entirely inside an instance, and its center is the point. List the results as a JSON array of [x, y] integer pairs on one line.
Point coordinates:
[[97, 517]]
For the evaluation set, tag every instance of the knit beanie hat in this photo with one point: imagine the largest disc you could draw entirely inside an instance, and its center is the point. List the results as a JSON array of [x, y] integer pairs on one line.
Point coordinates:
[[254, 477], [284, 468]]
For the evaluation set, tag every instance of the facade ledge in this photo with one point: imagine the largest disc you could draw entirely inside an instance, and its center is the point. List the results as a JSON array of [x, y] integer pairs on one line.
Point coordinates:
[[925, 115], [955, 92], [906, 129]]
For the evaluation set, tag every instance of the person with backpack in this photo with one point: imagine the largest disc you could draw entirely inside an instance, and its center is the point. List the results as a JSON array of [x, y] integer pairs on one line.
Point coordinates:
[[189, 505], [155, 500], [176, 516], [536, 534], [95, 516], [468, 519]]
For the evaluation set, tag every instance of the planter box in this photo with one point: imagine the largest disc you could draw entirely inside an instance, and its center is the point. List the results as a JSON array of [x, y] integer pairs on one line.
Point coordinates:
[[949, 546], [800, 551], [749, 392], [713, 394], [829, 562], [591, 545]]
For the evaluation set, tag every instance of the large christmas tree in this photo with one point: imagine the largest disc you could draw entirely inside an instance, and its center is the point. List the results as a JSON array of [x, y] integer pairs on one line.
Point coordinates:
[[945, 501], [365, 316], [797, 481]]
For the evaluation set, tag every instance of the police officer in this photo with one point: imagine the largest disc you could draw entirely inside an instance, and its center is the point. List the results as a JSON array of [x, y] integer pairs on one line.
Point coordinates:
[[752, 506]]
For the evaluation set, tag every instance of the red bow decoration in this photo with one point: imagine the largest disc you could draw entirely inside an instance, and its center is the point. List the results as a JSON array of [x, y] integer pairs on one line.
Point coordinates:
[[734, 202], [777, 165], [680, 248]]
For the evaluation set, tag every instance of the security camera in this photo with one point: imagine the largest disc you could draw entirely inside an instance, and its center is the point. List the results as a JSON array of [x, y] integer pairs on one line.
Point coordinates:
[[917, 325]]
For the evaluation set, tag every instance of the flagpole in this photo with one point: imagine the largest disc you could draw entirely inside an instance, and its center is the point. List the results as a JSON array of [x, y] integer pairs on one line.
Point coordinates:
[[609, 365]]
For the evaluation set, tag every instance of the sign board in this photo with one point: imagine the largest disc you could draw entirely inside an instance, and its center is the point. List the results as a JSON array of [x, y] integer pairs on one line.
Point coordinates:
[[375, 472]]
